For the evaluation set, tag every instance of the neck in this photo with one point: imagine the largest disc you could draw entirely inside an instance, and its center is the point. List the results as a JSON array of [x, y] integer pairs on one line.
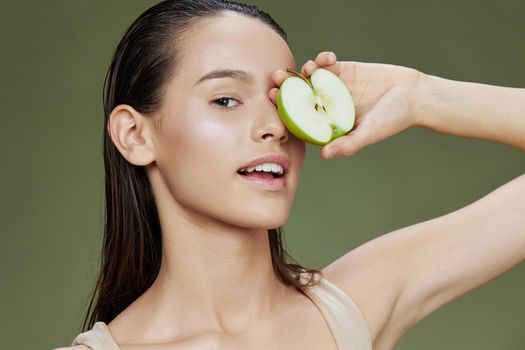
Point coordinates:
[[226, 278], [214, 276]]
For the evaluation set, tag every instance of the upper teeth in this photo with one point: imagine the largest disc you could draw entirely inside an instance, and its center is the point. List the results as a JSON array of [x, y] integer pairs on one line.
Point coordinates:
[[266, 167]]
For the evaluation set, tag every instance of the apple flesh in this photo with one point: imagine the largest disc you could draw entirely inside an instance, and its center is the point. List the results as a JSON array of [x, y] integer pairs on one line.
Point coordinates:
[[316, 110]]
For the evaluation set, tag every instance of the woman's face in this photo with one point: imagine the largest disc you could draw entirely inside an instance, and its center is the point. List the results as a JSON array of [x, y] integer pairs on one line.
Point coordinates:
[[209, 129]]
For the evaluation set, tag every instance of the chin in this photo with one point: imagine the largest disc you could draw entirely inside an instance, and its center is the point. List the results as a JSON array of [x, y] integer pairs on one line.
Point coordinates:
[[271, 219], [271, 222]]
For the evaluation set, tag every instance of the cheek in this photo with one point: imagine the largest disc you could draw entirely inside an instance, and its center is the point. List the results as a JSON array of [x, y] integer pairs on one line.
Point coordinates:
[[197, 156], [198, 138]]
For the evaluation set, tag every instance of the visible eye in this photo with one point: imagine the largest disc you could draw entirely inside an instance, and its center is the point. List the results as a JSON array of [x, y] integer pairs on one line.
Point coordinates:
[[223, 102]]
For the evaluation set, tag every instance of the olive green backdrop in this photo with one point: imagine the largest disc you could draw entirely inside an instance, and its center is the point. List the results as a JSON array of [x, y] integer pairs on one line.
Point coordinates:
[[53, 59]]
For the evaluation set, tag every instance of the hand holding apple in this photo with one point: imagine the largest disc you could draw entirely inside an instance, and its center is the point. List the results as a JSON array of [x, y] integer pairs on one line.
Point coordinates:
[[316, 110], [385, 98]]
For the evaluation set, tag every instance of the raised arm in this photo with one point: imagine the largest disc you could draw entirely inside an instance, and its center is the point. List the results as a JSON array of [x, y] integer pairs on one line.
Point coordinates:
[[468, 109], [399, 278], [391, 98]]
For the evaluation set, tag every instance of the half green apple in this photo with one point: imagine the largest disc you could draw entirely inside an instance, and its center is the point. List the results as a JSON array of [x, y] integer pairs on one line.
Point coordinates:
[[316, 110]]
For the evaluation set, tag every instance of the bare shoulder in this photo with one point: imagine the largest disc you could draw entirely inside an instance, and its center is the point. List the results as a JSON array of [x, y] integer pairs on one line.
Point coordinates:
[[77, 347]]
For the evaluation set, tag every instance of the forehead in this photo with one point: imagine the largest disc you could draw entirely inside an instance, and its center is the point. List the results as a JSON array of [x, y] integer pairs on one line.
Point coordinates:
[[233, 41]]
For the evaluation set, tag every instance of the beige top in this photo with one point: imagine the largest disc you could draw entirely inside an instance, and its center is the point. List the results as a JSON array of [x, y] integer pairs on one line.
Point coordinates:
[[346, 322]]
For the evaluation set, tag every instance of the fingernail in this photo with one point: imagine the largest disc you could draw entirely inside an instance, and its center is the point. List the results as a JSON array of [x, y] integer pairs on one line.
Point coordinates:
[[332, 152], [306, 67]]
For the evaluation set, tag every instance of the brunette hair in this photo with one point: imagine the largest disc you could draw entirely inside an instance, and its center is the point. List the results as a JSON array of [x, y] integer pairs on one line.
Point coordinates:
[[145, 57]]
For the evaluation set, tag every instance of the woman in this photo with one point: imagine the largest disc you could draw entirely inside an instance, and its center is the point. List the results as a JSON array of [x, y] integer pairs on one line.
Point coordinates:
[[192, 256]]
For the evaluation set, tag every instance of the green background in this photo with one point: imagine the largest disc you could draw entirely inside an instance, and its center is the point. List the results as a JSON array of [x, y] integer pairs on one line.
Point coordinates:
[[54, 58]]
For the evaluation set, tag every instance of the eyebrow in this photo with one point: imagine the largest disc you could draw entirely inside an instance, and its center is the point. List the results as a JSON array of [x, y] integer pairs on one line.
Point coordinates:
[[227, 73]]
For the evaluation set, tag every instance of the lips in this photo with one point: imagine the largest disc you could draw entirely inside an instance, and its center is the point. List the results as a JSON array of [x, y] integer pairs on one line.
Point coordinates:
[[281, 159], [268, 184]]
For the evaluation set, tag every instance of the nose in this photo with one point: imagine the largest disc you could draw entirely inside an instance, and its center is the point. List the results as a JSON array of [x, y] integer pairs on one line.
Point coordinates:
[[269, 124]]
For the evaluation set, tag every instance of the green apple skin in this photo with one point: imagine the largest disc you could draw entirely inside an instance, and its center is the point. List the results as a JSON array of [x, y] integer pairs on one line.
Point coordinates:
[[296, 130], [290, 124]]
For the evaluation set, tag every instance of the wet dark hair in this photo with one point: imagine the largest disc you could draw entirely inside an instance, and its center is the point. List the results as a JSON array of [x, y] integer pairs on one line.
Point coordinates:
[[143, 61]]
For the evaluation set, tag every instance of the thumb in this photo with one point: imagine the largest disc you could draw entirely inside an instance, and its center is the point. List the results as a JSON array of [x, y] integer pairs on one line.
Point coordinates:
[[348, 144]]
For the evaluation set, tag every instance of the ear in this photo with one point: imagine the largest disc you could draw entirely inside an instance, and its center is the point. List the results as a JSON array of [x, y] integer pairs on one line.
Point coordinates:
[[130, 132]]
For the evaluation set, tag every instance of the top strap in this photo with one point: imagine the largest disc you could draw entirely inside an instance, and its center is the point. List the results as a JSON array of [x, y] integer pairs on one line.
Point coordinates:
[[346, 322], [97, 338]]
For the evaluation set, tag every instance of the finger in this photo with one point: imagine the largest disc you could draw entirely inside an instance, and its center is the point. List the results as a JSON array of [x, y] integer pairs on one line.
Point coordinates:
[[308, 68], [326, 58], [347, 145], [279, 76], [328, 61], [273, 94]]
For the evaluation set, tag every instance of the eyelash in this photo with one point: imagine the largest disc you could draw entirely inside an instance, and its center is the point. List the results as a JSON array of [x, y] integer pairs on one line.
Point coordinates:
[[225, 98]]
